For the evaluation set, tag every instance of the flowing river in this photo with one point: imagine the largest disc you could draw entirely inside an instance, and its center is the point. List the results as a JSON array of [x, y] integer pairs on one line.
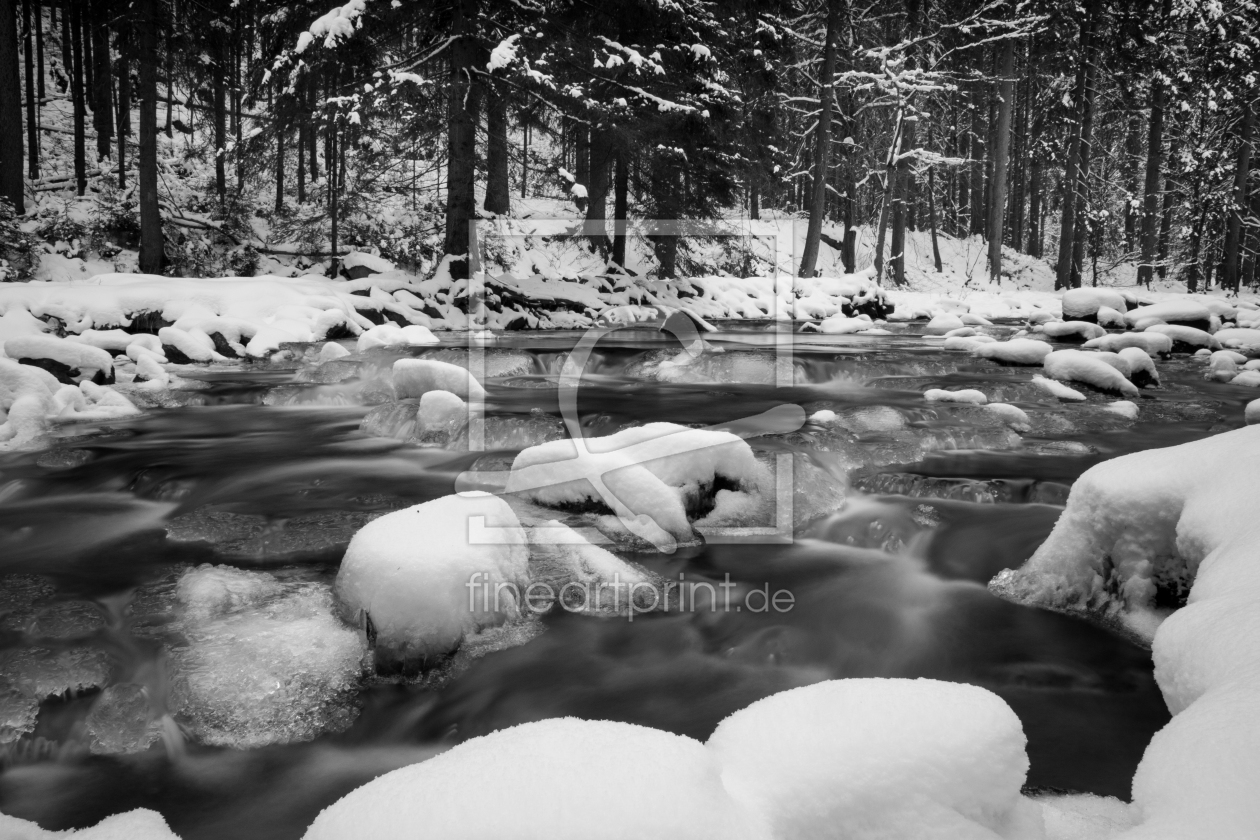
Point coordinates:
[[119, 689]]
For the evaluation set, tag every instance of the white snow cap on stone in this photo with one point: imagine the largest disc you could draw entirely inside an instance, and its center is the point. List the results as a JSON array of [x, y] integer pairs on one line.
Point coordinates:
[[1186, 335], [416, 377], [1108, 317], [943, 323], [1057, 389], [392, 335], [1094, 369], [1152, 342], [1063, 329], [966, 395], [1012, 415], [1238, 337], [140, 824], [1185, 515], [83, 357], [412, 571], [1252, 412], [1088, 301], [1017, 351], [1170, 310], [1138, 360], [332, 350], [1124, 408]]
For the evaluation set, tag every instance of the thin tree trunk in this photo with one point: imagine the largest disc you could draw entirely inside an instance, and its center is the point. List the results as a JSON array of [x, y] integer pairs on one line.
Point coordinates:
[[281, 127], [497, 188], [169, 127], [822, 142], [1034, 209], [1087, 153], [462, 103], [936, 248], [151, 248], [1168, 200], [330, 162], [997, 213], [124, 103], [220, 52], [1154, 161], [32, 121], [582, 154], [978, 159], [1071, 177], [67, 42], [524, 153], [102, 104], [39, 51], [12, 186], [901, 191], [602, 155], [75, 13], [303, 122], [1234, 227], [621, 207]]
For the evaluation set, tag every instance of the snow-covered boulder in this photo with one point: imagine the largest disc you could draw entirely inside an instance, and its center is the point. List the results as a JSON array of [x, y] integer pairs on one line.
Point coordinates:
[[1252, 413], [1187, 313], [943, 323], [1058, 389], [426, 576], [879, 759], [655, 478], [1186, 339], [1142, 372], [66, 360], [1017, 351], [416, 377], [1155, 344], [1124, 408], [1084, 304], [331, 351], [966, 342], [1111, 318], [840, 325], [392, 335], [966, 395], [1172, 520], [1076, 332], [139, 824], [1012, 415], [1094, 369], [559, 779], [1238, 337]]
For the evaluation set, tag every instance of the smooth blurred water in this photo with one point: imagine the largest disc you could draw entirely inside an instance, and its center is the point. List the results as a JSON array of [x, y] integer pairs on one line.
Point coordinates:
[[129, 678]]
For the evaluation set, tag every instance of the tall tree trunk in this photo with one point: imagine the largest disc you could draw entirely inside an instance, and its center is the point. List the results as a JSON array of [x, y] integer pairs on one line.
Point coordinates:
[[281, 128], [1241, 199], [603, 154], [67, 41], [497, 188], [151, 247], [12, 185], [582, 154], [301, 141], [1034, 208], [1087, 154], [1006, 93], [524, 153], [335, 176], [85, 46], [979, 154], [169, 127], [901, 192], [1154, 165], [312, 131], [936, 248], [102, 104], [822, 142], [1168, 200], [32, 121], [621, 207], [1132, 156], [75, 13], [124, 102], [39, 51], [462, 103], [219, 69], [1071, 177]]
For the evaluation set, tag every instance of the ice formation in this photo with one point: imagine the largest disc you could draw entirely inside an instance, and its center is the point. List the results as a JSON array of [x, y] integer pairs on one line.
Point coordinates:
[[650, 476], [1096, 369], [965, 395], [416, 377], [1181, 521], [31, 400], [430, 574]]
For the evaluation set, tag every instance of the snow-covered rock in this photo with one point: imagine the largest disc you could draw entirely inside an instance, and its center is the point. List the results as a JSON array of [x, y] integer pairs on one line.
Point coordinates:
[[840, 325], [1184, 312], [31, 399], [967, 342], [943, 323], [1012, 415], [966, 395], [1111, 318], [392, 335], [1084, 304], [416, 377], [1142, 372], [1247, 378], [1252, 413], [1186, 339], [417, 574], [1238, 337], [1075, 331], [1017, 351], [1155, 344], [1124, 408], [1175, 519], [1093, 369], [72, 359], [875, 758], [1057, 389], [559, 779]]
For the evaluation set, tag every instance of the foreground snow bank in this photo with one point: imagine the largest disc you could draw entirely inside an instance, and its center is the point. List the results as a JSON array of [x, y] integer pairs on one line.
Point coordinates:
[[140, 824], [860, 758], [1183, 522], [32, 400]]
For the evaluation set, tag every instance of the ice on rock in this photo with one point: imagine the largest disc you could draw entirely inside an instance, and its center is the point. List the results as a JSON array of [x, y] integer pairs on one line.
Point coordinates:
[[266, 661], [885, 759], [1079, 331], [1017, 351], [122, 721], [652, 477], [1094, 369], [332, 351], [603, 583], [1155, 344], [416, 377], [557, 779], [428, 575], [1172, 519], [441, 416], [1058, 389], [965, 395], [140, 824]]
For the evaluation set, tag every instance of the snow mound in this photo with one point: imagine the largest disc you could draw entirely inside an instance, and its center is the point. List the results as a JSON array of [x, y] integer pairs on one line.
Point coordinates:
[[1012, 415], [966, 395], [879, 758], [944, 323], [1152, 342], [1084, 304], [1252, 412], [550, 780], [1142, 370], [1185, 338], [81, 360], [32, 400], [1185, 312], [1057, 389], [140, 824], [1182, 521], [417, 377], [1238, 337], [1094, 369], [1111, 318], [1017, 351], [392, 335], [651, 477], [1124, 408], [266, 661], [426, 576], [967, 342], [840, 325]]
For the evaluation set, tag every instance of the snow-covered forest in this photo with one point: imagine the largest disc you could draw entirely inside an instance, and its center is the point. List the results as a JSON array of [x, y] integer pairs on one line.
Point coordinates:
[[764, 419]]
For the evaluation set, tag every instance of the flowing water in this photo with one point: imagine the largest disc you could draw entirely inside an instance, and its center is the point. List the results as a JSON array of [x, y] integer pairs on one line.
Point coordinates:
[[168, 638]]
